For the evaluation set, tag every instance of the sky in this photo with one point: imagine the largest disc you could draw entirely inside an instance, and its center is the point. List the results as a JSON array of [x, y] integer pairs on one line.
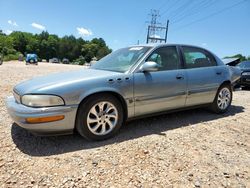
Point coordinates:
[[222, 26]]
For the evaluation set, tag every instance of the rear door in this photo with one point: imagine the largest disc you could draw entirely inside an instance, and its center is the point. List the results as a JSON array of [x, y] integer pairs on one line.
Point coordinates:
[[203, 74]]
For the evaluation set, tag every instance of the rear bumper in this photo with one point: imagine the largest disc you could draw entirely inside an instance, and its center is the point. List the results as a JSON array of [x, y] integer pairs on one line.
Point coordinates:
[[19, 113]]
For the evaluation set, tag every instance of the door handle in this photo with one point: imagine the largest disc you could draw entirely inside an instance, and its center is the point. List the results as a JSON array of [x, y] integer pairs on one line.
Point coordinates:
[[219, 73], [179, 77]]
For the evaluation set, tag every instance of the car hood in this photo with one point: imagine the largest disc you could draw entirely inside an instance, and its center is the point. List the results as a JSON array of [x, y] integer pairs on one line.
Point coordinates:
[[41, 84]]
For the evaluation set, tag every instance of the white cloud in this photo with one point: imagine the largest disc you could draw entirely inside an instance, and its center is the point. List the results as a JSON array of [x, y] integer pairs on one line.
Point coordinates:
[[13, 23], [38, 26], [84, 32], [7, 32]]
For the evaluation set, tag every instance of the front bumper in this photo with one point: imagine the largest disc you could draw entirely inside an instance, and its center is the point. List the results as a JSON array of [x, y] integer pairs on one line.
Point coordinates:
[[19, 113]]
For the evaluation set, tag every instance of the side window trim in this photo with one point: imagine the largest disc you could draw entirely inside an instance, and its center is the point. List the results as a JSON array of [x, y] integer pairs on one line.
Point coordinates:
[[181, 57]]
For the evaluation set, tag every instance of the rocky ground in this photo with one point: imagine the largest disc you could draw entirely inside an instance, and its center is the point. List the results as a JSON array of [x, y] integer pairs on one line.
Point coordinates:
[[193, 148]]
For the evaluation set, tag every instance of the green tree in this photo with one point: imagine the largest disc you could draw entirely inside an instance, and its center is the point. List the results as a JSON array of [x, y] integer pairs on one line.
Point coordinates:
[[95, 48], [48, 46], [240, 56]]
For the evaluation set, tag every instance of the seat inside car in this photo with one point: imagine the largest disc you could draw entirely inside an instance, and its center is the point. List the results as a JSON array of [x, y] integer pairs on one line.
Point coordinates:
[[169, 62], [201, 62]]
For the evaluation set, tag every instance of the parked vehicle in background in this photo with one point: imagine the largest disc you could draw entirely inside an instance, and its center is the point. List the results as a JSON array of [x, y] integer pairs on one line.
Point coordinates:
[[54, 60], [1, 60], [65, 61], [129, 83], [31, 59], [245, 75], [93, 61], [231, 61]]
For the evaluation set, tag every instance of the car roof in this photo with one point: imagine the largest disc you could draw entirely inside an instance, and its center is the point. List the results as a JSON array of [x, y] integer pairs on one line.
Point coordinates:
[[163, 44]]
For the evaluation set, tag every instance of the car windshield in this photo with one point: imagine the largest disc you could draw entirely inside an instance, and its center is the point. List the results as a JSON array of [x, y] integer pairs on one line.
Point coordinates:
[[121, 60], [244, 65]]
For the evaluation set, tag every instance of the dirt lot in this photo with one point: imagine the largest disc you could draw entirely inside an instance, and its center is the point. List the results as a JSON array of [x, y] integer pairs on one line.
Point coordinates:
[[186, 149]]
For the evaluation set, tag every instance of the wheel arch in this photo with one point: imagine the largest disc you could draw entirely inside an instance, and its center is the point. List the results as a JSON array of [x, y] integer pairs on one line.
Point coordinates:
[[226, 82], [109, 92]]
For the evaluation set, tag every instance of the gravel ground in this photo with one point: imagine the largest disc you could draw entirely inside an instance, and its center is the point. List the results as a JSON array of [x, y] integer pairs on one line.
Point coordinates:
[[193, 148]]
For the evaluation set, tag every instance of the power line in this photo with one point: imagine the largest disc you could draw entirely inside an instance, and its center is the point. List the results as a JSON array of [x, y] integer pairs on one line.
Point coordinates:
[[179, 9], [194, 11], [185, 7], [213, 14], [170, 6]]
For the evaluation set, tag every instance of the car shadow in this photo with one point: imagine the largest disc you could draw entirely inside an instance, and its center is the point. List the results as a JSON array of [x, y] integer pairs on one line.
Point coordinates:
[[46, 146]]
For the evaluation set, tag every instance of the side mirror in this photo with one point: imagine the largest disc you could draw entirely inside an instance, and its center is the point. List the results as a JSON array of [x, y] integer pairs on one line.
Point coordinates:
[[149, 66]]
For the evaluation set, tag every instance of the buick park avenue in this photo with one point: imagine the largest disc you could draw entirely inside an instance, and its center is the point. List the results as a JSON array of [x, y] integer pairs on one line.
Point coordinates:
[[129, 83]]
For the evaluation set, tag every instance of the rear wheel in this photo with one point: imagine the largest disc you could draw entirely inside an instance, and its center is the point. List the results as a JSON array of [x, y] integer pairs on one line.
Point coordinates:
[[99, 117], [223, 99]]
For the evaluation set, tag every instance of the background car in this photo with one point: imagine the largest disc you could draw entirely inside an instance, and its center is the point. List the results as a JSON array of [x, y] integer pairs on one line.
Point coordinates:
[[65, 61], [54, 60], [31, 59], [129, 83], [245, 75]]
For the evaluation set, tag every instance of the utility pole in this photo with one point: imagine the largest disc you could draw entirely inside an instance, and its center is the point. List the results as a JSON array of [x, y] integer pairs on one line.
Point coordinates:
[[155, 29], [166, 35]]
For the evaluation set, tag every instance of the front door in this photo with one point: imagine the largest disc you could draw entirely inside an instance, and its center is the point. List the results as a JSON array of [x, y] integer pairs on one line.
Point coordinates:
[[161, 90]]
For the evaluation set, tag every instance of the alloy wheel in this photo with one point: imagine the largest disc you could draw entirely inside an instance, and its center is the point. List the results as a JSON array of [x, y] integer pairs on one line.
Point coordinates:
[[102, 118], [224, 98]]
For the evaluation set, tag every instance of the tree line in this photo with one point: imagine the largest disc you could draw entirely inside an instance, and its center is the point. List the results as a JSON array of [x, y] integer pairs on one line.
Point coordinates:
[[240, 56], [48, 46]]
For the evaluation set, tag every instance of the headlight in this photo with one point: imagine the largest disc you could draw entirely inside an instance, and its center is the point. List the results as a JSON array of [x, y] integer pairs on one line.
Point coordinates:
[[246, 73], [42, 100]]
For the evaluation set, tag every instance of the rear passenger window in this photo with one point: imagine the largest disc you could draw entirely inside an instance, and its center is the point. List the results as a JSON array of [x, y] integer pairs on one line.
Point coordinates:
[[196, 58]]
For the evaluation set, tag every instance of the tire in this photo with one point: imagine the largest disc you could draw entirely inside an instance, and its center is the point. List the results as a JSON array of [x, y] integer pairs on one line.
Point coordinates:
[[223, 99], [95, 124]]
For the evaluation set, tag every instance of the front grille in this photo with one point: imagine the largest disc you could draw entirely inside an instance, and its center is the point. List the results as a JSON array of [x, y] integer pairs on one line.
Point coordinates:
[[17, 97]]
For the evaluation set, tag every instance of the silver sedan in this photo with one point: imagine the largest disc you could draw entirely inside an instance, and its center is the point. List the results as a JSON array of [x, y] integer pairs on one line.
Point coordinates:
[[129, 83]]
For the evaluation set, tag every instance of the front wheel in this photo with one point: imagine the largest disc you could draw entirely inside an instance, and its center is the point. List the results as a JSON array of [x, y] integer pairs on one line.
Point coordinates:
[[99, 117], [223, 99]]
